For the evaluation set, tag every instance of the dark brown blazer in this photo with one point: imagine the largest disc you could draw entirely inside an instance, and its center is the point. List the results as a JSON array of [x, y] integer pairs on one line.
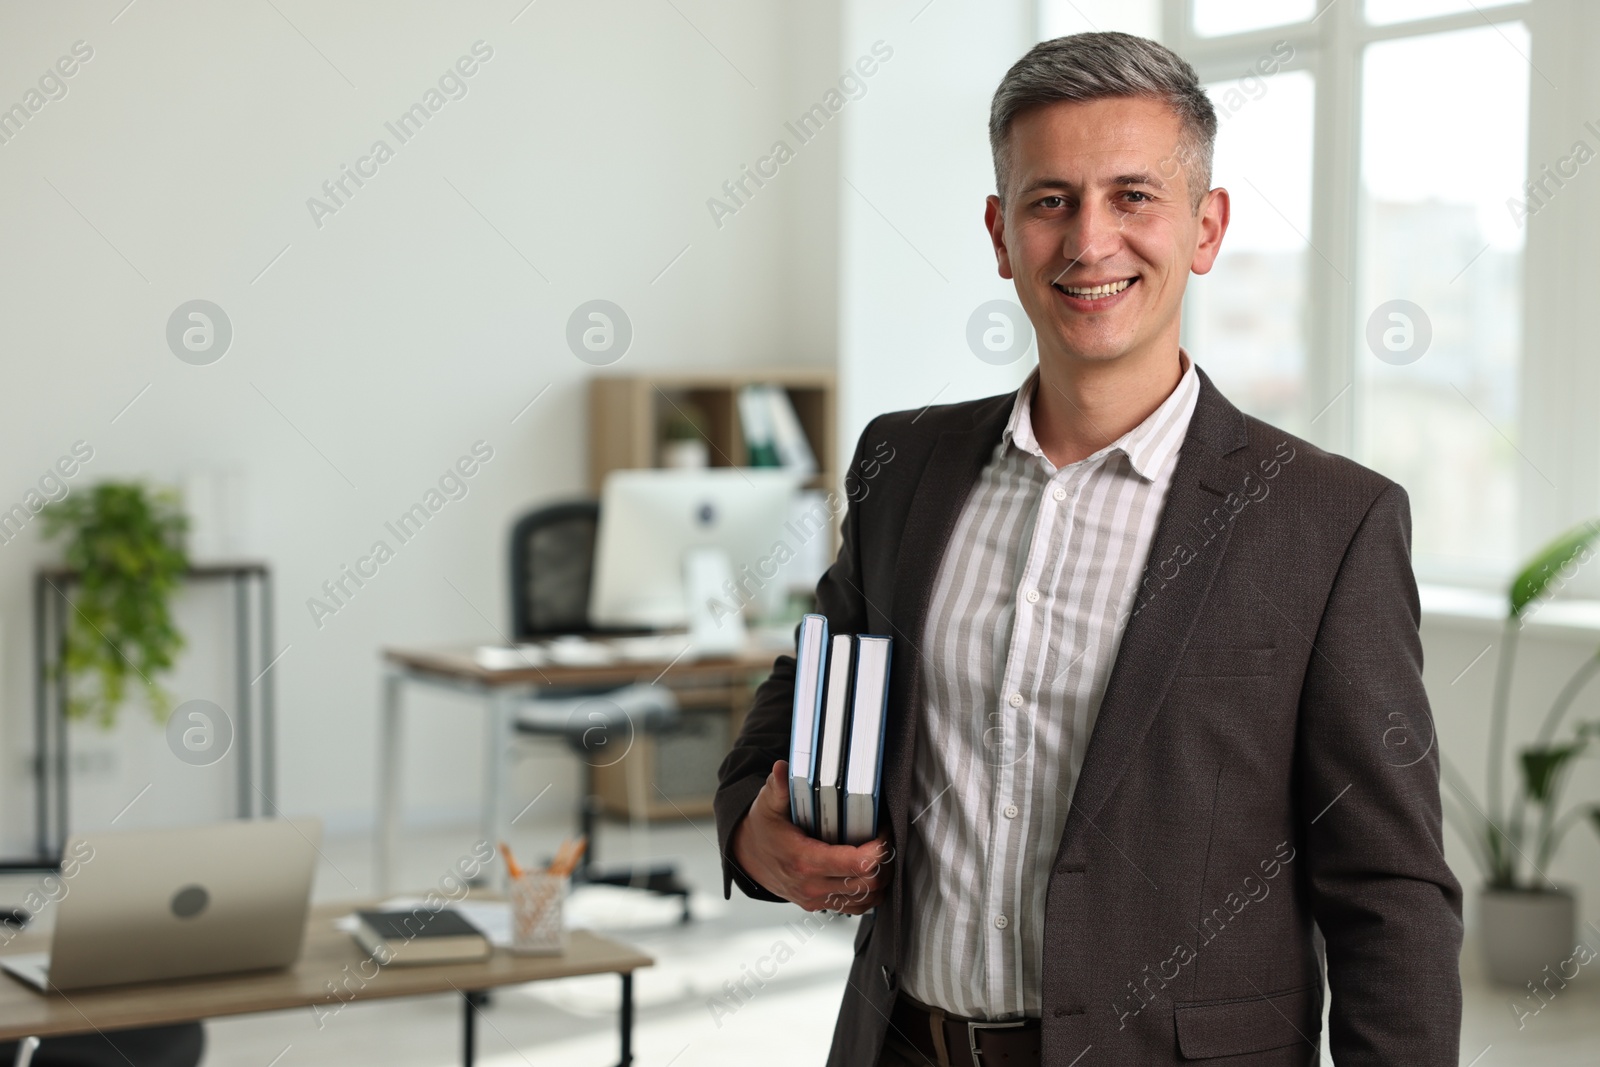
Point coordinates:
[[1263, 765]]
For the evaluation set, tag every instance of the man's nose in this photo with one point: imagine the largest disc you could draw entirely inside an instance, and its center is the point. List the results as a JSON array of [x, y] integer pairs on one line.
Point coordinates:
[[1095, 233]]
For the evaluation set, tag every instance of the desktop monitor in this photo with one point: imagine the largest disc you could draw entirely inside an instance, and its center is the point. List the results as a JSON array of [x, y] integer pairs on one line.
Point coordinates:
[[664, 533]]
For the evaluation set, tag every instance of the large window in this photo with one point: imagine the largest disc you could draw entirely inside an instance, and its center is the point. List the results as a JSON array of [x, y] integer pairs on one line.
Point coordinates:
[[1411, 262], [1246, 319], [1215, 18], [1435, 232], [1369, 295]]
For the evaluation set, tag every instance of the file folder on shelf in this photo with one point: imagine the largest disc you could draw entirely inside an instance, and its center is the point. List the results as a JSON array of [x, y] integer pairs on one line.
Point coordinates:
[[810, 660]]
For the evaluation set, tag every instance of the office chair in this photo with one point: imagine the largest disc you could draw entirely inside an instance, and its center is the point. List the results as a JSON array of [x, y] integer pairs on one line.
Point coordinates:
[[552, 562], [176, 1045]]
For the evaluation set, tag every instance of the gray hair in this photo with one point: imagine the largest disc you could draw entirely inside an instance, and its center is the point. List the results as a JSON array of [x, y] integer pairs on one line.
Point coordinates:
[[1094, 66]]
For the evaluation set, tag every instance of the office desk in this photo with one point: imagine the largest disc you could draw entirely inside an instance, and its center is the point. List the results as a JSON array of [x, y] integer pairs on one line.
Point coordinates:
[[499, 692], [331, 956]]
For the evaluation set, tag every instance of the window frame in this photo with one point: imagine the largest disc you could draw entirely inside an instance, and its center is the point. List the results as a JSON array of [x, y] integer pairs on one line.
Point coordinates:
[[1552, 375]]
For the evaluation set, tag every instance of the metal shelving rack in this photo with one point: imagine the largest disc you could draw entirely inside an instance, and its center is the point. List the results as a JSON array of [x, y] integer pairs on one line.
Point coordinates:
[[253, 716]]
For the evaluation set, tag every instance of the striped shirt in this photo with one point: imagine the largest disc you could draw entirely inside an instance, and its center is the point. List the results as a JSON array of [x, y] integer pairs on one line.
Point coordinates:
[[1027, 612]]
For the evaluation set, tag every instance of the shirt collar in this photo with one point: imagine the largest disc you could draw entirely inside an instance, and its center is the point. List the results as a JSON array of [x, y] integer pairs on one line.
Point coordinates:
[[1147, 446]]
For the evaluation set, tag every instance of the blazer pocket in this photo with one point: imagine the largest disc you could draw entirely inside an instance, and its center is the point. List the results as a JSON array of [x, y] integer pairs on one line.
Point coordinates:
[[1226, 661], [1255, 1024]]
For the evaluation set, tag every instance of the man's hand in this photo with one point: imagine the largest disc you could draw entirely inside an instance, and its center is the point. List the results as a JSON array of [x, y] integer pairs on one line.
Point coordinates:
[[813, 874]]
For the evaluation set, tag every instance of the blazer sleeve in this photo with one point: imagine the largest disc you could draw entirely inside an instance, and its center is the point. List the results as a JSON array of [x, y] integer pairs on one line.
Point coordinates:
[[765, 736], [1368, 759]]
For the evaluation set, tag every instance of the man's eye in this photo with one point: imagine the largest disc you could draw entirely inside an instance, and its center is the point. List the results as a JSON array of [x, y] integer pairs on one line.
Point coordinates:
[[1050, 203], [1143, 197]]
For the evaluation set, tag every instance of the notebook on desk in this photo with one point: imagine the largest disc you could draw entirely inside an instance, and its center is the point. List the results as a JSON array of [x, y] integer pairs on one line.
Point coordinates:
[[420, 935]]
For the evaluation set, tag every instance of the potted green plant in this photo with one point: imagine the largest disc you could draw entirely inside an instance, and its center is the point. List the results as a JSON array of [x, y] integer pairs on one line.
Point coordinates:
[[1526, 921], [683, 438], [126, 543]]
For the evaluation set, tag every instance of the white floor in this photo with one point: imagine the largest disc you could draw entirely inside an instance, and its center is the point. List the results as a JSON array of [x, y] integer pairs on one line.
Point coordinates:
[[684, 1014], [1564, 1033]]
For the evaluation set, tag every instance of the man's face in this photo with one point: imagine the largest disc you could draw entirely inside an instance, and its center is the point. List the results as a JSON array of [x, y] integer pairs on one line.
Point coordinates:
[[1099, 196]]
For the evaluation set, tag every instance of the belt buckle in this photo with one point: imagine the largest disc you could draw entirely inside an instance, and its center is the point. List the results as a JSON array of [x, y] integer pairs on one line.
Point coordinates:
[[973, 1026]]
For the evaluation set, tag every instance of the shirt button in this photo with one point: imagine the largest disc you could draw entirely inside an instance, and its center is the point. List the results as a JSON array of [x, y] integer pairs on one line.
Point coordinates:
[[1059, 493], [1016, 700], [1001, 922], [1011, 811], [1032, 596]]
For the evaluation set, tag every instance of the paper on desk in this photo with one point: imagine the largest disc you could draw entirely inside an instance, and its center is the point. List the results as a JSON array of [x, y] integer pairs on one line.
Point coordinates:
[[493, 917], [508, 658]]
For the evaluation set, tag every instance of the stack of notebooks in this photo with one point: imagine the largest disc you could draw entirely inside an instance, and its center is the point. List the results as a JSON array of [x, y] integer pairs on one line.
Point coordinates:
[[841, 693]]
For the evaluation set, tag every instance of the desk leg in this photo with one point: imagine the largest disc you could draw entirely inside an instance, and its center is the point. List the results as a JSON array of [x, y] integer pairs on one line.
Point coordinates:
[[268, 720], [627, 1019], [58, 843], [244, 733], [472, 1002], [41, 715], [388, 781], [497, 743]]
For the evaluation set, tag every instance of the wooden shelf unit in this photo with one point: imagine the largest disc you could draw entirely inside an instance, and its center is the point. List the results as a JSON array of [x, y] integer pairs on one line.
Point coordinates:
[[626, 414], [673, 776]]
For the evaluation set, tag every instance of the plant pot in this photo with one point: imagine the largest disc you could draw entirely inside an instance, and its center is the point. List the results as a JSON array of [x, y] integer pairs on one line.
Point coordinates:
[[689, 454], [1523, 931]]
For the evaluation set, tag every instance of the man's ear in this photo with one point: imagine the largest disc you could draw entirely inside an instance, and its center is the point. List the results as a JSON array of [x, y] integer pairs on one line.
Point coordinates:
[[1214, 215], [994, 219]]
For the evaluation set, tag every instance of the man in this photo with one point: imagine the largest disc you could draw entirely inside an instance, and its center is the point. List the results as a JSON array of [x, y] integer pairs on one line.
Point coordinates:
[[1156, 714]]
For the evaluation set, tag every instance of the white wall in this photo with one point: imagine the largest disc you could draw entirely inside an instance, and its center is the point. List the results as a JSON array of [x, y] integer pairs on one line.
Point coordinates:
[[914, 257], [379, 347], [915, 260]]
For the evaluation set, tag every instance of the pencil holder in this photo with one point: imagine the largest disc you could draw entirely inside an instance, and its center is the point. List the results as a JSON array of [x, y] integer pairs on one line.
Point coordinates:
[[537, 927]]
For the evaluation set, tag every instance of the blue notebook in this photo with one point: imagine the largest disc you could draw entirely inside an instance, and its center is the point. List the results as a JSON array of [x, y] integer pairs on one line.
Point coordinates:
[[869, 708], [810, 661], [834, 741]]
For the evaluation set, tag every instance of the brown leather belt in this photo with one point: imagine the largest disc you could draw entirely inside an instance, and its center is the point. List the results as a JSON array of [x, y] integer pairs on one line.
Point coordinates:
[[960, 1042]]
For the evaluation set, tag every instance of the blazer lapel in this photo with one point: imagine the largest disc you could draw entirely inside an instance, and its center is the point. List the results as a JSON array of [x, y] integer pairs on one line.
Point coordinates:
[[1163, 618], [953, 467]]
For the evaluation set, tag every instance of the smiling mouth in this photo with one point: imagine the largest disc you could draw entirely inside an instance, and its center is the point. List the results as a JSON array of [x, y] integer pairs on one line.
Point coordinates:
[[1094, 292]]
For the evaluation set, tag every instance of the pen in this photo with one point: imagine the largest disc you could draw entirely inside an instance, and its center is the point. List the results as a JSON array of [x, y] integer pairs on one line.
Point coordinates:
[[512, 867]]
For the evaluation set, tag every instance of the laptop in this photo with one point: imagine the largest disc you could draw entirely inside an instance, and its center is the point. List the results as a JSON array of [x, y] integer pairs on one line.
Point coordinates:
[[179, 903]]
